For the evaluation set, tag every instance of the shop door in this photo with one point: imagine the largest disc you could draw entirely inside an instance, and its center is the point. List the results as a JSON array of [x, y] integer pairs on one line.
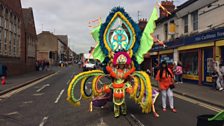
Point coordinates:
[[208, 65]]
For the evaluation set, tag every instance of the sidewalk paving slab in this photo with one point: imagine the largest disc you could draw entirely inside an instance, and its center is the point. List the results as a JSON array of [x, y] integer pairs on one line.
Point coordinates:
[[201, 93]]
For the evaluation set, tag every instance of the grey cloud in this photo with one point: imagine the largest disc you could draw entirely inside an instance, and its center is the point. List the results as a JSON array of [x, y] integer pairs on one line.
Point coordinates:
[[71, 16]]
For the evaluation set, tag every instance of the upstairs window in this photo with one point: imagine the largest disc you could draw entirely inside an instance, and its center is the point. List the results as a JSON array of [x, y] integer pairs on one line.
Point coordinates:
[[194, 16], [185, 19]]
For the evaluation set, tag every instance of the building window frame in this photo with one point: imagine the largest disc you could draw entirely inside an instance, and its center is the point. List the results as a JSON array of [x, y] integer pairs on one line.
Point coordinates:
[[185, 22], [194, 17], [166, 31]]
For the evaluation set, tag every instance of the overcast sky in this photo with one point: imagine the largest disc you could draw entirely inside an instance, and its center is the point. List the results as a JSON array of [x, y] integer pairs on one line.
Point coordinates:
[[71, 17]]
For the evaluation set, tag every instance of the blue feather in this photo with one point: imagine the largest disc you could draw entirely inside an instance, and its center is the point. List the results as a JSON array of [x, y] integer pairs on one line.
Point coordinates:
[[134, 25]]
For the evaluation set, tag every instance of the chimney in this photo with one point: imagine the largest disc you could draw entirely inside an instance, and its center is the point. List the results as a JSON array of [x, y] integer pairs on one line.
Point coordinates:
[[142, 23], [168, 5]]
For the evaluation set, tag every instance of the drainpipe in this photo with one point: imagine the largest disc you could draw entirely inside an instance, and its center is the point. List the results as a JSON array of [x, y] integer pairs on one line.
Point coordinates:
[[200, 66]]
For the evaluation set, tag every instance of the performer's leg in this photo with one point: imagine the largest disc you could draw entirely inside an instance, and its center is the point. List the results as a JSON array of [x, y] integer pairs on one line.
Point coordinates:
[[116, 111], [124, 109]]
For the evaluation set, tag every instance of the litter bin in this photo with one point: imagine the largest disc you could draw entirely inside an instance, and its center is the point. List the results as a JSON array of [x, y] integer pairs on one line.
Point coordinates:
[[202, 120]]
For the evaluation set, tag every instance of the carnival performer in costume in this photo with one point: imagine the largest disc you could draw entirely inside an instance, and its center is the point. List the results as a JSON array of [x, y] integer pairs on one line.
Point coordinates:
[[122, 49]]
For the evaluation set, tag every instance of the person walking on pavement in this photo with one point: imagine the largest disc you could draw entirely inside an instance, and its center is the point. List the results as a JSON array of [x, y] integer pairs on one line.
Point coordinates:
[[222, 71], [178, 72], [174, 68], [3, 74], [219, 80], [165, 80]]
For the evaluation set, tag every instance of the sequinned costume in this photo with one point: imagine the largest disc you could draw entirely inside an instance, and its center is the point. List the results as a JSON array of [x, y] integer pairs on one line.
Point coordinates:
[[122, 49]]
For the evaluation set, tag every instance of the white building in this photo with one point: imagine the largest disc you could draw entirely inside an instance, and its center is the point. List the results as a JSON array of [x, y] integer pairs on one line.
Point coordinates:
[[194, 35]]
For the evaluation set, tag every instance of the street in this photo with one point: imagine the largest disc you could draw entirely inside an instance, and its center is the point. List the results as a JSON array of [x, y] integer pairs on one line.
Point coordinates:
[[44, 104]]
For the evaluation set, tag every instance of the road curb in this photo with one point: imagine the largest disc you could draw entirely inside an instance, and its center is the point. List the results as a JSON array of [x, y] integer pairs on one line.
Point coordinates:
[[196, 98], [24, 84]]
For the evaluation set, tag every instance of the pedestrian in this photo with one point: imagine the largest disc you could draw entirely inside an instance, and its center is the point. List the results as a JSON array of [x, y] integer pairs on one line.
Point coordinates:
[[37, 65], [179, 73], [174, 69], [148, 72], [165, 80], [155, 69], [3, 74], [219, 80], [48, 65]]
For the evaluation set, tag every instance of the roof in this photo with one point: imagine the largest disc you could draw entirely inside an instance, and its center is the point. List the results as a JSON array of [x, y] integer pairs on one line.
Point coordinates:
[[28, 19], [63, 38], [187, 3]]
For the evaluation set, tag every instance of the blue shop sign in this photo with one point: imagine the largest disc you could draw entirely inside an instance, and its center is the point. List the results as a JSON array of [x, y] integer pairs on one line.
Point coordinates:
[[209, 36], [212, 35]]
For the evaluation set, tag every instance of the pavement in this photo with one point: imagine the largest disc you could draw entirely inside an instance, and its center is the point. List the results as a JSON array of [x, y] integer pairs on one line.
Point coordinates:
[[202, 93], [44, 104], [15, 82]]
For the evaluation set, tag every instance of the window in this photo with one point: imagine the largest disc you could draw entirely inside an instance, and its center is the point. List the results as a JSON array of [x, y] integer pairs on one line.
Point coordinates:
[[157, 36], [194, 16], [185, 19], [5, 44], [172, 29], [190, 62], [14, 45], [166, 31], [0, 40]]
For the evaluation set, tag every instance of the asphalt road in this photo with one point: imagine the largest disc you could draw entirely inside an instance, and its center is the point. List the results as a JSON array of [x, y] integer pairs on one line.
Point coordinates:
[[44, 104]]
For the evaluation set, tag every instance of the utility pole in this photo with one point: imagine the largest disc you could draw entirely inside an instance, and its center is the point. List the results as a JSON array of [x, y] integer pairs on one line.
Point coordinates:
[[138, 14]]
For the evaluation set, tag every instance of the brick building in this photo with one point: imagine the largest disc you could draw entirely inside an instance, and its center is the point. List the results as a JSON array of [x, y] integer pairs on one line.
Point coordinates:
[[14, 44], [30, 38], [50, 48]]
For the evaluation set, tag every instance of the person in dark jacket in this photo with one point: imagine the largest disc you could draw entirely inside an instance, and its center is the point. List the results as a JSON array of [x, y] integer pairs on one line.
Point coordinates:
[[3, 74]]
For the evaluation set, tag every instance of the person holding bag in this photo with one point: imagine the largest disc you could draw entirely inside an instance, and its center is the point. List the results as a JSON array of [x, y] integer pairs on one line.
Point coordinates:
[[166, 84]]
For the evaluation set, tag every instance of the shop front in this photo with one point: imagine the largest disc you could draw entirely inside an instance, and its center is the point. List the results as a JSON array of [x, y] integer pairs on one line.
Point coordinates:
[[189, 61]]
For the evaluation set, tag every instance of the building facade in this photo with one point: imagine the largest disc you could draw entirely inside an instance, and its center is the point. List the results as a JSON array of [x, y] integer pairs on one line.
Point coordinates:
[[12, 37], [30, 38], [194, 35], [50, 48]]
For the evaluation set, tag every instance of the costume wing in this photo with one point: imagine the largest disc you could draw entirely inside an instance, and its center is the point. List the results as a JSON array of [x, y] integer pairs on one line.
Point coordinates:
[[146, 39], [83, 77], [142, 90], [97, 53]]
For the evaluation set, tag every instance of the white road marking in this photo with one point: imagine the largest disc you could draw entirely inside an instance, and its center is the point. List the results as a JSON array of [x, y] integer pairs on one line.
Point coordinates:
[[139, 122], [102, 123], [12, 113], [28, 102], [44, 86], [25, 87], [101, 82], [210, 107], [68, 82], [59, 96], [38, 94], [44, 120]]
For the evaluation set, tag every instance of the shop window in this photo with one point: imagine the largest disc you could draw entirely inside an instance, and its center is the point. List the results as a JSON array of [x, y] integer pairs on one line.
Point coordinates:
[[190, 62], [185, 19]]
